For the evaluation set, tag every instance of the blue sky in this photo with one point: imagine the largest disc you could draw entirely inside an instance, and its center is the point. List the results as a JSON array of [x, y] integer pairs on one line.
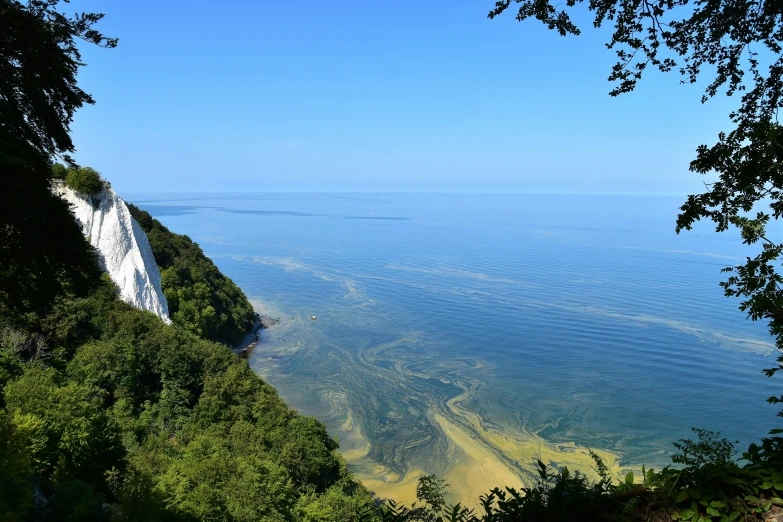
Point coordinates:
[[348, 95]]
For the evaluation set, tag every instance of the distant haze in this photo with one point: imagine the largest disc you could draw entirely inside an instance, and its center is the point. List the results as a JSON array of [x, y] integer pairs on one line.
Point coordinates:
[[349, 95]]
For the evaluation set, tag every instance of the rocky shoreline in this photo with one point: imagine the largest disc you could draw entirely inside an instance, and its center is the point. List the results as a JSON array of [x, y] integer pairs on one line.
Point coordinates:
[[251, 340]]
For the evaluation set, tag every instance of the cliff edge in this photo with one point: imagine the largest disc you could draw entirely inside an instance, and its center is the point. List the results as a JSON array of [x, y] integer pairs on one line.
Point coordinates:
[[123, 248]]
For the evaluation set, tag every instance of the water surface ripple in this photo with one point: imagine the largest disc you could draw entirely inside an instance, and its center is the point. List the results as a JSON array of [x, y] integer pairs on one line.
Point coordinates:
[[466, 334]]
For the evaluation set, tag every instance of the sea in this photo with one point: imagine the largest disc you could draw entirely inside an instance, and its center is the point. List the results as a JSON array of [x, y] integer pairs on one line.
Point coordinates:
[[471, 335]]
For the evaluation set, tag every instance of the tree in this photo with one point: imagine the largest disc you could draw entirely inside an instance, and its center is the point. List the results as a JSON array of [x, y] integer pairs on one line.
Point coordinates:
[[84, 179], [59, 171], [741, 43], [39, 60]]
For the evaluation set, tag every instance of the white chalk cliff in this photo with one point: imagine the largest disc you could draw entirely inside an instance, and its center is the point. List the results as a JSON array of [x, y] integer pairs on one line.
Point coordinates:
[[122, 245]]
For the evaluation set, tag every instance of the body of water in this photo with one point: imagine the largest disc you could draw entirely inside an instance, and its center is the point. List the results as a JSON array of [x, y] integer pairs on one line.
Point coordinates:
[[468, 334]]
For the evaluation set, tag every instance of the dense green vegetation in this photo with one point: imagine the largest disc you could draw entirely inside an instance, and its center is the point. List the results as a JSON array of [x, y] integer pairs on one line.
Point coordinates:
[[59, 171], [707, 485], [85, 180], [200, 298], [103, 403]]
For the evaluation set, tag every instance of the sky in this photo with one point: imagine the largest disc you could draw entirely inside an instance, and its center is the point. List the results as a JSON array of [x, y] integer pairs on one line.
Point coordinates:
[[407, 95]]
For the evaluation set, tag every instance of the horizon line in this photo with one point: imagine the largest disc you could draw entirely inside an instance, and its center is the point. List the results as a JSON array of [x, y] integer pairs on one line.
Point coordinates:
[[403, 191]]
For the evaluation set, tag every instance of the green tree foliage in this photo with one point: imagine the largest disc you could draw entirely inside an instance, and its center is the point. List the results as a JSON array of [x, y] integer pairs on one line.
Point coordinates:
[[42, 250], [85, 180], [39, 60], [709, 487], [109, 405], [740, 44], [200, 298], [38, 100], [59, 171]]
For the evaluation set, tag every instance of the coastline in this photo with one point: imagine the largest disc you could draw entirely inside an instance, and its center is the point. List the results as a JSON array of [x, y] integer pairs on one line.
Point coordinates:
[[476, 455], [248, 344]]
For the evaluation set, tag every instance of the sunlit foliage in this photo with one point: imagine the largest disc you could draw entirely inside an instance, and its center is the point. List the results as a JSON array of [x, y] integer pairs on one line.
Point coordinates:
[[200, 298]]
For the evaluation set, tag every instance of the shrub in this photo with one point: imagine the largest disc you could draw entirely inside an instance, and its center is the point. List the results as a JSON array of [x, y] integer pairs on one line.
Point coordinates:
[[59, 171], [710, 487], [84, 180]]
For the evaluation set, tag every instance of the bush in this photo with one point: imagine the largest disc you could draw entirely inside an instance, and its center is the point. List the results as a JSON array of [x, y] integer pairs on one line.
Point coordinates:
[[75, 501], [710, 487], [84, 180], [59, 171]]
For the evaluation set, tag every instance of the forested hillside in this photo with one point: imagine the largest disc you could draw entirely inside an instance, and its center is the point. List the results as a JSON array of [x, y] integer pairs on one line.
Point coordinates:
[[200, 298], [103, 403]]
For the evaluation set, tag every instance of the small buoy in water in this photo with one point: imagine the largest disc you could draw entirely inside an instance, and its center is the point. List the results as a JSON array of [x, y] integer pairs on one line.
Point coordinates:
[[313, 318]]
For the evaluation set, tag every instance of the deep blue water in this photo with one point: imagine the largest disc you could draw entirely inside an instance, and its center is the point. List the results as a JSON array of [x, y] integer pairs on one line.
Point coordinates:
[[580, 319]]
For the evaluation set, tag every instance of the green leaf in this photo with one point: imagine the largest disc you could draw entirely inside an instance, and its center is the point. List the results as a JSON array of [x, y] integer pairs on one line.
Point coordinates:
[[629, 478], [682, 496]]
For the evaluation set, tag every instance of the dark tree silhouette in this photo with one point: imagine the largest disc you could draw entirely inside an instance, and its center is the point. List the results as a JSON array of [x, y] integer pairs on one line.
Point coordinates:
[[39, 60]]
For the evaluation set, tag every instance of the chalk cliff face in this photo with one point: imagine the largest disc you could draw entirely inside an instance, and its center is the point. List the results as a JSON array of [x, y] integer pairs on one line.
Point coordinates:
[[123, 247]]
